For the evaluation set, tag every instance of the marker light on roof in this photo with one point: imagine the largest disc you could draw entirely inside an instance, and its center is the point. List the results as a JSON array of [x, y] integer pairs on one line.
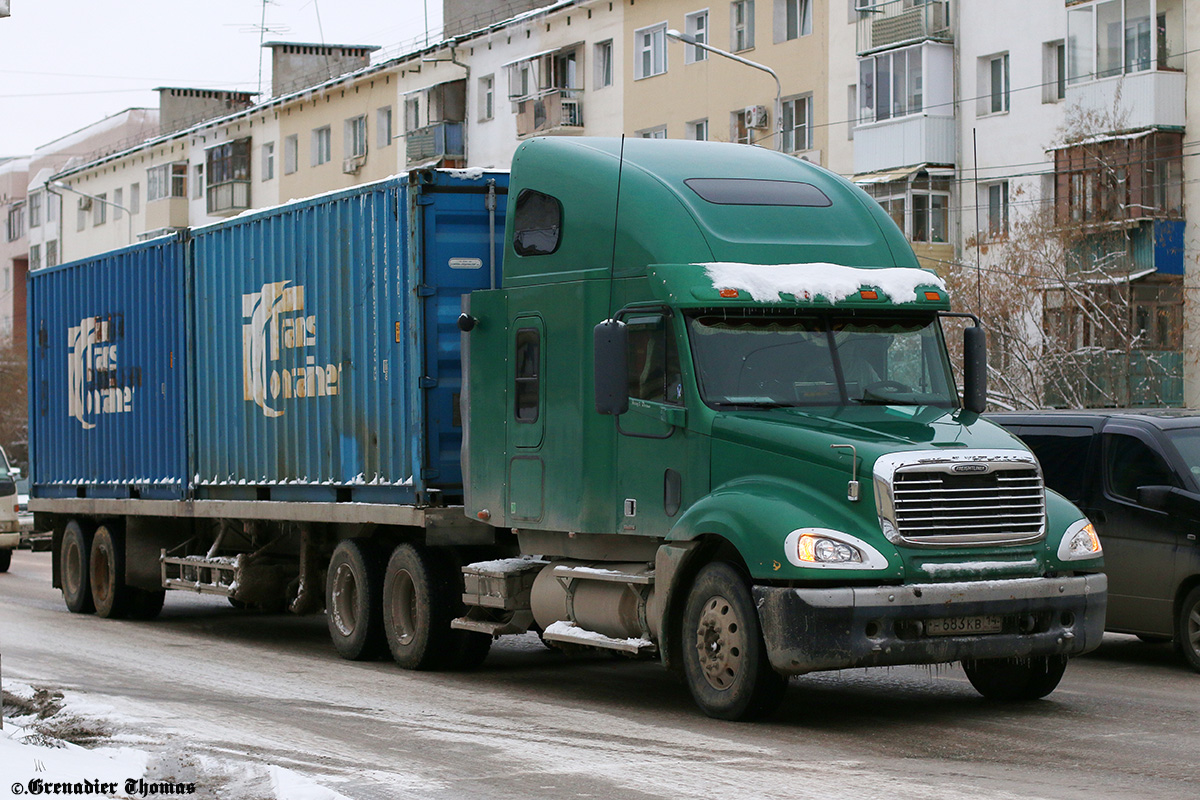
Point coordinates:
[[869, 294], [932, 296], [729, 293]]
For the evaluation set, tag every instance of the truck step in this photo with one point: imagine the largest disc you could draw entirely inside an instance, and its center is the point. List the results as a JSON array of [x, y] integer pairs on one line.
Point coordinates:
[[200, 574], [481, 620], [570, 633], [599, 574]]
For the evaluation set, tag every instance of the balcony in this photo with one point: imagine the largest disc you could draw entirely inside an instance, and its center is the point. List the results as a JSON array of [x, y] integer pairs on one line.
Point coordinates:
[[557, 110], [904, 141], [442, 140], [901, 22], [1153, 98], [226, 199]]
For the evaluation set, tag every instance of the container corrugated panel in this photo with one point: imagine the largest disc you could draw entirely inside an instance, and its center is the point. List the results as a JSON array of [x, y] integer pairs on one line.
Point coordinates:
[[309, 346], [108, 413]]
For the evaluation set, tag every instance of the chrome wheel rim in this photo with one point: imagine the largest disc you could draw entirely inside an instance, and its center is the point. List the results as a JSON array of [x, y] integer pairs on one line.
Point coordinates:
[[720, 643]]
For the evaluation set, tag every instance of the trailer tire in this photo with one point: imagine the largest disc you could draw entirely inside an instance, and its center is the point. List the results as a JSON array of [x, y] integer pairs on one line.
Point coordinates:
[[74, 553], [106, 572], [1187, 629], [724, 656], [353, 587], [5, 559], [418, 603], [146, 605], [1013, 680]]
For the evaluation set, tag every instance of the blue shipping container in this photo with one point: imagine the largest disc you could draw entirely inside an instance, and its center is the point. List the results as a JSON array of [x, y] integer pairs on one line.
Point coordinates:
[[107, 369]]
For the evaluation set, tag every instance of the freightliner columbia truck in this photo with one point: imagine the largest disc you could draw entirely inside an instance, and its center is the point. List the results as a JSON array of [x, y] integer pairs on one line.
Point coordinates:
[[685, 401]]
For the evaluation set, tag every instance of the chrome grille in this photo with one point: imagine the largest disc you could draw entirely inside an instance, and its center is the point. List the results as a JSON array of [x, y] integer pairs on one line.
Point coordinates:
[[934, 504]]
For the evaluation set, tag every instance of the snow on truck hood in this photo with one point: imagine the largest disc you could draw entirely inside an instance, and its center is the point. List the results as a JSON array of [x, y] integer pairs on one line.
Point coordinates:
[[766, 282]]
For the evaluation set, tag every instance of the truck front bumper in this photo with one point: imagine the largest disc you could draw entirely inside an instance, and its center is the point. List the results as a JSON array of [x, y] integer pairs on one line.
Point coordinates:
[[820, 629]]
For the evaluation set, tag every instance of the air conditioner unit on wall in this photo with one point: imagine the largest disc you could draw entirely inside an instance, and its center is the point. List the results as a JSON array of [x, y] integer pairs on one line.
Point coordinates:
[[85, 204], [353, 164], [756, 117]]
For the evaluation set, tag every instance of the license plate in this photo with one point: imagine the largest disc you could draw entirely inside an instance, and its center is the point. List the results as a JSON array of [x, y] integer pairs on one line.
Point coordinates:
[[953, 626]]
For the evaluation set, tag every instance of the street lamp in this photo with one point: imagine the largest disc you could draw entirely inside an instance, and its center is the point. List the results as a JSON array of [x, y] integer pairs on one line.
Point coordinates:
[[694, 42], [52, 185]]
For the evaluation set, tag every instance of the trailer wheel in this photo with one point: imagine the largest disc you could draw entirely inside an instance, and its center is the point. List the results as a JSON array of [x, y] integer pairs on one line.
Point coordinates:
[[1015, 679], [74, 553], [352, 591], [724, 656], [1187, 629], [106, 571], [418, 604], [5, 559]]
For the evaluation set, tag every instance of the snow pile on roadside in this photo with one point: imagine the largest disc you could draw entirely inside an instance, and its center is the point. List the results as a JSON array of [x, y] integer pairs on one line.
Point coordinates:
[[43, 743]]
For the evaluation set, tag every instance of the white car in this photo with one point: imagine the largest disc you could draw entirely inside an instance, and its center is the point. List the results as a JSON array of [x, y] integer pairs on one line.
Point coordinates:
[[10, 525]]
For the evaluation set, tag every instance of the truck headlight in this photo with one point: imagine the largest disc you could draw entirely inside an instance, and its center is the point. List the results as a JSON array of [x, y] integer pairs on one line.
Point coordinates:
[[1080, 542], [830, 549]]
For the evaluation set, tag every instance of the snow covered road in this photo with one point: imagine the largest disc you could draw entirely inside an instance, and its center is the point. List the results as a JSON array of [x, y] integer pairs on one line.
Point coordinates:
[[237, 688]]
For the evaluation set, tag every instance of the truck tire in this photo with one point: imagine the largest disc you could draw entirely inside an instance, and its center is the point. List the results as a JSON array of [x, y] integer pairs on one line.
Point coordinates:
[[419, 600], [724, 657], [106, 572], [146, 605], [1015, 679], [73, 555], [353, 587], [5, 559], [1187, 629]]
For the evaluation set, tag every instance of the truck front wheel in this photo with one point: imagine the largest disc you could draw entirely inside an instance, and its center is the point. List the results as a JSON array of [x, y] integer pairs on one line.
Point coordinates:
[[1015, 679], [106, 573], [724, 656], [353, 587], [73, 554], [1187, 629]]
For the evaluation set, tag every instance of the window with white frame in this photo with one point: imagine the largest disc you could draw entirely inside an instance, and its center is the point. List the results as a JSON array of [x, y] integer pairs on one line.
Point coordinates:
[[996, 198], [797, 124], [228, 176], [166, 180], [198, 182], [487, 97], [891, 85], [100, 209], [53, 203], [268, 161], [35, 209], [657, 132], [35, 256], [291, 154], [993, 79], [383, 126], [696, 26], [698, 130], [739, 129], [1112, 37], [1054, 71], [118, 202], [604, 64], [412, 114], [919, 205], [650, 51], [52, 253], [354, 136], [741, 25], [793, 19], [322, 146]]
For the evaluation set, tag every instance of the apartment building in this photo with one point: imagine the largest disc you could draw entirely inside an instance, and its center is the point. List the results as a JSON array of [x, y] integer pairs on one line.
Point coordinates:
[[14, 245]]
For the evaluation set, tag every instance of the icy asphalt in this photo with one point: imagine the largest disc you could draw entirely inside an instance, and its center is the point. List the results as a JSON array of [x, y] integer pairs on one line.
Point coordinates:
[[208, 683]]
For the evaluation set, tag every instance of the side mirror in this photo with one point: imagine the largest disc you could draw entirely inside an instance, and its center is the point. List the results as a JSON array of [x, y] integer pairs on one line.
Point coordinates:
[[610, 343], [974, 369], [1170, 500]]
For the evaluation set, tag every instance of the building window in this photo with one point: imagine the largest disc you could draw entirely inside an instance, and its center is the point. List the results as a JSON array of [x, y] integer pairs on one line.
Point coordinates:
[[135, 198], [793, 19], [891, 85], [658, 132], [198, 182], [412, 114], [354, 136], [995, 84], [383, 126], [797, 124], [52, 253], [1112, 37], [322, 146], [53, 203], [741, 25], [268, 161], [487, 98], [604, 64], [118, 202], [229, 176], [35, 256], [696, 25], [698, 130], [291, 154], [100, 209], [920, 205], [997, 210], [650, 51], [35, 209], [1054, 71], [739, 130], [1120, 178], [166, 180]]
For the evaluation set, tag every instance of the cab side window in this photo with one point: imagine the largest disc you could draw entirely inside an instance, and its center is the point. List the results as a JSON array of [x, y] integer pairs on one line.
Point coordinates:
[[1129, 463], [528, 361], [537, 224], [653, 360]]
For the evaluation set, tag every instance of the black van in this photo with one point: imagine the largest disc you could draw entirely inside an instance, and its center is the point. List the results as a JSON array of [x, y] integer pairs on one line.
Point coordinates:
[[1136, 474]]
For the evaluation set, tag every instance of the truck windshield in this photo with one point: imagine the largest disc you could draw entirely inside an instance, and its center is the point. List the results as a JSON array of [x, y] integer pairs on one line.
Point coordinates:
[[771, 360]]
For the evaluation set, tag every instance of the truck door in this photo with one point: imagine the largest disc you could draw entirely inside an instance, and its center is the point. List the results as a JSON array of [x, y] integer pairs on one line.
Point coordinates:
[[1140, 543], [660, 462], [527, 424]]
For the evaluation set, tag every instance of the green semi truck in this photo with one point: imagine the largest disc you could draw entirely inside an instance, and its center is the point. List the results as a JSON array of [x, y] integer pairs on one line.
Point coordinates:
[[678, 400]]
